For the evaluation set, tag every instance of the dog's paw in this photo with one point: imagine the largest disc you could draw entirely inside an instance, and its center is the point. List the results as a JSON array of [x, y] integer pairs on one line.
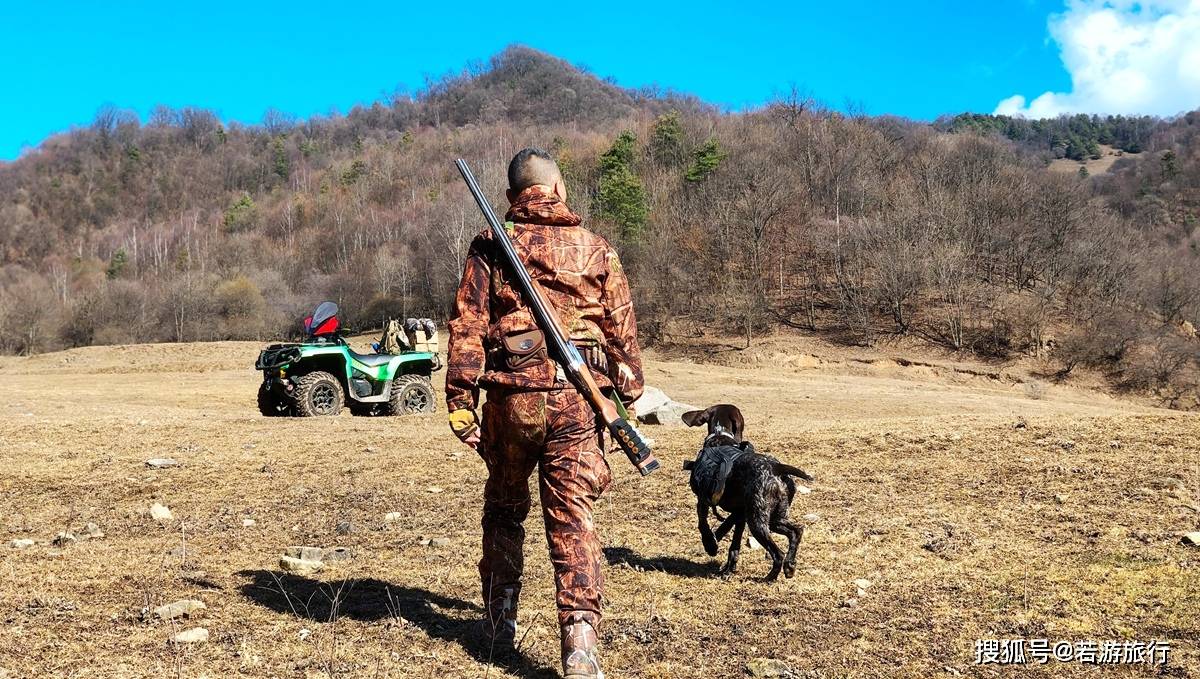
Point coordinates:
[[789, 570], [710, 545]]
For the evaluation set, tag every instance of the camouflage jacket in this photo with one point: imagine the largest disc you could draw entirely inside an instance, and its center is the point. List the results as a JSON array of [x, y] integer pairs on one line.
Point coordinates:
[[581, 276]]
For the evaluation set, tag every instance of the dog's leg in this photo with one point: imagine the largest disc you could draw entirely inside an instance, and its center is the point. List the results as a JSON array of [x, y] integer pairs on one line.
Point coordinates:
[[760, 529], [794, 533], [735, 547], [706, 535], [726, 524]]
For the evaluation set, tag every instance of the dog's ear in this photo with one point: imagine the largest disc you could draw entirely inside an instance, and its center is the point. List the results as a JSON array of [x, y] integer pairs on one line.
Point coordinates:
[[688, 464], [695, 418]]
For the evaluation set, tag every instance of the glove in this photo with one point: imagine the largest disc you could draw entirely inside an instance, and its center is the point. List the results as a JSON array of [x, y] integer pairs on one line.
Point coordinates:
[[465, 426]]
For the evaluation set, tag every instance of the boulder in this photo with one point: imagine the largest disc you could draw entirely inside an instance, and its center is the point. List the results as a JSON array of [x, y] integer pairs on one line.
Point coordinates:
[[669, 414], [652, 398]]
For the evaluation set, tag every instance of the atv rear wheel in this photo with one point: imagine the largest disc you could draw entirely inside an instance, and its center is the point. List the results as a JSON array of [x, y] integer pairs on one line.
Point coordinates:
[[411, 394], [318, 394], [268, 404]]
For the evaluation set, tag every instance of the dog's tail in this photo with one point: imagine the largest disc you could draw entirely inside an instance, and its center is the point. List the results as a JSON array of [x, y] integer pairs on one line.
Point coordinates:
[[788, 470]]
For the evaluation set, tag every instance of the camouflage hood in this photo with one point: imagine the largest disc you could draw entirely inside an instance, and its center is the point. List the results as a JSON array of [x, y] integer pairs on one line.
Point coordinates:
[[535, 205]]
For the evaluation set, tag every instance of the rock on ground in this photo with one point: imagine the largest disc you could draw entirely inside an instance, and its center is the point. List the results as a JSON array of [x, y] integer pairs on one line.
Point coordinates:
[[768, 667], [161, 463], [652, 398], [91, 532], [177, 609], [337, 554], [305, 553], [668, 415], [160, 513], [195, 635], [300, 566], [21, 543], [1192, 539], [655, 407]]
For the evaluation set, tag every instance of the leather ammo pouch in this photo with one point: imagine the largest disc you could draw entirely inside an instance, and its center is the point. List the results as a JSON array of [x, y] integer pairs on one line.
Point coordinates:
[[524, 349]]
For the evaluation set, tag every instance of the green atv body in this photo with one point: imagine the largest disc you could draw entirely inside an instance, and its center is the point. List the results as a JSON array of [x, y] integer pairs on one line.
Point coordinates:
[[320, 375]]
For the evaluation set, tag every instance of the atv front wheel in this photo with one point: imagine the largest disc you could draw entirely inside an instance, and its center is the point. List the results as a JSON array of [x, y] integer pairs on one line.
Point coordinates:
[[411, 394], [318, 394], [268, 404]]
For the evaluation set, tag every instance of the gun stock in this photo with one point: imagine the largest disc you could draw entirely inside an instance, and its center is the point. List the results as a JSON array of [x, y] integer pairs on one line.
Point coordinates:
[[628, 438]]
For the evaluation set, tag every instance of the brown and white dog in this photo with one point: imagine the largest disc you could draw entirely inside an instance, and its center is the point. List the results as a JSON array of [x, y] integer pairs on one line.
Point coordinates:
[[755, 490]]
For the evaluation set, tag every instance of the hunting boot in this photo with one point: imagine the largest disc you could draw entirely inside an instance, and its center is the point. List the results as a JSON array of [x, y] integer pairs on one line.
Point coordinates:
[[580, 658], [500, 634], [499, 628]]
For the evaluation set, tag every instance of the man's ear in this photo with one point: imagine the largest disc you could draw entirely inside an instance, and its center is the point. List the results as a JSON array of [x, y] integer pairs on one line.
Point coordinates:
[[695, 418], [560, 189]]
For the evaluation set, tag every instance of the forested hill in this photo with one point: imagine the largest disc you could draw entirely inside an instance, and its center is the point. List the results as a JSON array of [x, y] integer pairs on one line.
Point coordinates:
[[1077, 137], [953, 234]]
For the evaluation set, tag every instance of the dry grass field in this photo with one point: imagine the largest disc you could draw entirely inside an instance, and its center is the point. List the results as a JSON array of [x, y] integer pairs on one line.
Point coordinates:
[[976, 506], [1097, 166]]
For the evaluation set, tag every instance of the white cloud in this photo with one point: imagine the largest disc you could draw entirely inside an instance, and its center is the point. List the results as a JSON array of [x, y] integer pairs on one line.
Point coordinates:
[[1123, 57]]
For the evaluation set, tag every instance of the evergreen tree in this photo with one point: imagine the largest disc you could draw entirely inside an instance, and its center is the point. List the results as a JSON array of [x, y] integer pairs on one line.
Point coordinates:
[[283, 166], [242, 215], [117, 264], [1170, 166], [666, 139], [621, 196], [704, 161], [623, 200], [620, 154]]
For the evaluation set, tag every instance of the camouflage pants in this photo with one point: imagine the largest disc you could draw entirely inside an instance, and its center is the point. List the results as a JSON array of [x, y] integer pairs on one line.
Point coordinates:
[[554, 432]]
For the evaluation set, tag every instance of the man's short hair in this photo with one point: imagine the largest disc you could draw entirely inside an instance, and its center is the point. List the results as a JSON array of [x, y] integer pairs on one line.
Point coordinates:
[[532, 166]]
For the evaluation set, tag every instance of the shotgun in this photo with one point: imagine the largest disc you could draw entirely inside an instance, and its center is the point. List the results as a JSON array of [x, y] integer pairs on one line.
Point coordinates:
[[609, 409]]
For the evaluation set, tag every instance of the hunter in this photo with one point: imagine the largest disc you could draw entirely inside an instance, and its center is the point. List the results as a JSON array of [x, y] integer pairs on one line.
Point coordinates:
[[533, 418]]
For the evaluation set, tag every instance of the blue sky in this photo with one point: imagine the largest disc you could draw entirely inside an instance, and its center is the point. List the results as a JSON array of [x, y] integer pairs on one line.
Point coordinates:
[[64, 60]]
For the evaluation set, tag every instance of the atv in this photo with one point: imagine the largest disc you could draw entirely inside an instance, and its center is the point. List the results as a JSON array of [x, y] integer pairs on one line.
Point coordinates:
[[321, 374]]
